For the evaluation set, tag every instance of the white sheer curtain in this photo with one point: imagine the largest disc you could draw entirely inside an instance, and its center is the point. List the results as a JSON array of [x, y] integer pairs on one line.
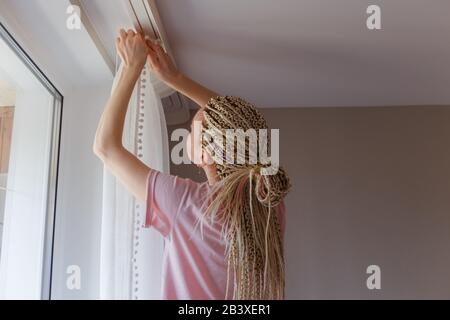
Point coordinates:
[[131, 256]]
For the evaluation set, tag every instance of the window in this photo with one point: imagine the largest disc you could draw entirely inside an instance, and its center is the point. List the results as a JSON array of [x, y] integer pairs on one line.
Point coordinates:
[[30, 119]]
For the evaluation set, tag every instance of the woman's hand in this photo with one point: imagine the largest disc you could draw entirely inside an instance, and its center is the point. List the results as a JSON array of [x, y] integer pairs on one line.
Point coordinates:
[[133, 49], [161, 64], [164, 68]]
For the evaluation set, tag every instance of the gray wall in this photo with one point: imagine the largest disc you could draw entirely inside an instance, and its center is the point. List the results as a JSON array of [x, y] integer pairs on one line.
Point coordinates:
[[370, 186]]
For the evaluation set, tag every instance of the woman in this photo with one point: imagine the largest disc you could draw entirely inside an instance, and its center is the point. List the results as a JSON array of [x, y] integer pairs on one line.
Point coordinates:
[[224, 236]]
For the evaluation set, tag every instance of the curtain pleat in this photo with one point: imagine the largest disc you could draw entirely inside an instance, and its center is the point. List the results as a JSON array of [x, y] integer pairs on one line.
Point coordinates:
[[130, 266]]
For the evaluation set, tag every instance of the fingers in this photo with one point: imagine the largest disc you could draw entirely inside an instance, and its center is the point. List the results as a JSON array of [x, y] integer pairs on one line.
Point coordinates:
[[120, 39], [118, 45], [153, 59], [159, 50], [141, 35], [151, 46], [156, 49], [122, 35]]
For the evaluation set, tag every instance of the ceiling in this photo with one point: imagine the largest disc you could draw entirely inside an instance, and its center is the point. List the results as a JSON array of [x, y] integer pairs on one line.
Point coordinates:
[[283, 53], [296, 53]]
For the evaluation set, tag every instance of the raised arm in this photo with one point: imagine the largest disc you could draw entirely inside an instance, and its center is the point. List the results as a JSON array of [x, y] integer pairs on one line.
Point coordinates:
[[130, 171], [164, 68], [134, 52]]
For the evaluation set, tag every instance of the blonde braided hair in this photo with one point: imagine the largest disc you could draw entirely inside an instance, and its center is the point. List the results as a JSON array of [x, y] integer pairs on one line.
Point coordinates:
[[253, 234]]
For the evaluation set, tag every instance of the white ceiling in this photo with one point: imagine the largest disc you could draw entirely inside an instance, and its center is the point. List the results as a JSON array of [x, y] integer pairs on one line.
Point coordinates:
[[292, 53], [276, 53]]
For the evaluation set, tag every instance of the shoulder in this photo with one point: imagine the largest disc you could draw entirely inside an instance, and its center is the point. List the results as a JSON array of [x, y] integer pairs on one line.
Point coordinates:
[[173, 185]]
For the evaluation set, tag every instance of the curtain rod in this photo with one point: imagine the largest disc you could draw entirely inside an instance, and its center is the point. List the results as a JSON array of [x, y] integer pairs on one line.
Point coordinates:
[[145, 17]]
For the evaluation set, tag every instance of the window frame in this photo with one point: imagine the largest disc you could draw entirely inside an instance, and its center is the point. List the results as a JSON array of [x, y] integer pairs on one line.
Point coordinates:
[[58, 99]]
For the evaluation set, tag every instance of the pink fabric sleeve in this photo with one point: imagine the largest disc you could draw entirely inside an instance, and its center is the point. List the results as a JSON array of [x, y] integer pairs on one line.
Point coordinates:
[[165, 196]]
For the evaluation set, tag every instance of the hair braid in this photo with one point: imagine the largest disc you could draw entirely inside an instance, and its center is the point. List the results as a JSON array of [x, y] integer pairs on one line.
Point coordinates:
[[243, 201]]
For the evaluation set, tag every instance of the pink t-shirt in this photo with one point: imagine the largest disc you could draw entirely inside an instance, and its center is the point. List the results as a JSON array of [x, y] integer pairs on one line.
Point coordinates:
[[194, 262]]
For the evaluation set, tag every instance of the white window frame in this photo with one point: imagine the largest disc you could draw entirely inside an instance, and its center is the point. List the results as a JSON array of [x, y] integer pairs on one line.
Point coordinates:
[[54, 158]]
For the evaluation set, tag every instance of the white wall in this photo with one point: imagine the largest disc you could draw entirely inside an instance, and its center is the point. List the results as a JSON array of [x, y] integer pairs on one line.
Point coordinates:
[[79, 72], [78, 221]]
